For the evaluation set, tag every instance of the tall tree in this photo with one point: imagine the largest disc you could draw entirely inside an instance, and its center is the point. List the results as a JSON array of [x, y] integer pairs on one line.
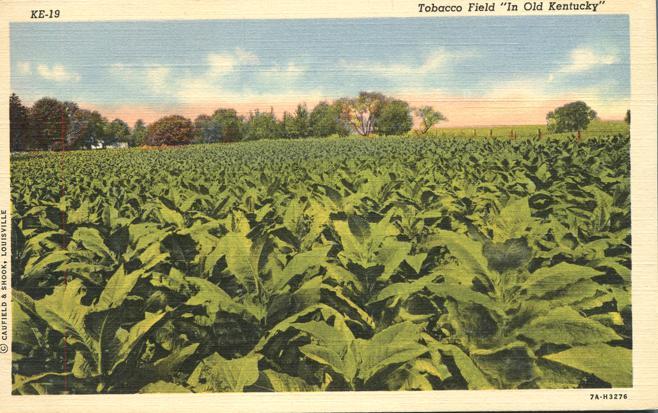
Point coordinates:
[[288, 126], [361, 112], [262, 125], [394, 118], [116, 131], [19, 133], [229, 125], [48, 123], [86, 129], [297, 125], [70, 108], [138, 133], [325, 120], [572, 117], [170, 130], [205, 129]]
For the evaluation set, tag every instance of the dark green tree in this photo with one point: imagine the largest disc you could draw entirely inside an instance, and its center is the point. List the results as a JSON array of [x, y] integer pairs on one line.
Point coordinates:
[[572, 117], [627, 118], [19, 132], [262, 125], [70, 108], [116, 131], [205, 129], [325, 120], [297, 125], [48, 123], [229, 125], [86, 129], [394, 118], [138, 137]]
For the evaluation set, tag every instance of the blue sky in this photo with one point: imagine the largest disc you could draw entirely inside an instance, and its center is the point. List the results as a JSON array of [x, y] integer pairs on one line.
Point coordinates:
[[476, 70]]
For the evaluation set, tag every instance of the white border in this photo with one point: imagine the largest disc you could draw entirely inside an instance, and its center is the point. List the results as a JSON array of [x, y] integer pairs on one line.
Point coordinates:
[[643, 395]]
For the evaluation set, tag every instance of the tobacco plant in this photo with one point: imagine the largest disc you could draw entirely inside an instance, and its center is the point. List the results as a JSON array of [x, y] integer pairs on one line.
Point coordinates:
[[323, 265]]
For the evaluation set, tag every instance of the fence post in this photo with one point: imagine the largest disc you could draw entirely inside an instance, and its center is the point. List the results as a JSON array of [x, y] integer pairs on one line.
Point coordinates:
[[539, 134], [490, 133], [578, 136]]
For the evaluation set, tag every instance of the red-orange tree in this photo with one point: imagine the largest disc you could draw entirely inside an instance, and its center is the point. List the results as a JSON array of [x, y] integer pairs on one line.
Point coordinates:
[[170, 130]]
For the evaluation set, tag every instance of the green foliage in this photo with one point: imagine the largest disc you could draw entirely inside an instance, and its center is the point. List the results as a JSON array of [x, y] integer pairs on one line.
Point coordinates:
[[19, 132], [361, 112], [596, 128], [262, 125], [297, 125], [215, 373], [572, 117], [138, 135], [394, 119], [87, 129], [46, 117], [116, 131], [228, 125], [223, 126], [205, 130], [323, 264], [170, 130], [54, 125], [428, 118], [325, 120], [612, 364]]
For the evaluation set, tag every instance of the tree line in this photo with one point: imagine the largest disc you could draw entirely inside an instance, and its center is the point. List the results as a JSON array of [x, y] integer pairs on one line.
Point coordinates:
[[50, 124]]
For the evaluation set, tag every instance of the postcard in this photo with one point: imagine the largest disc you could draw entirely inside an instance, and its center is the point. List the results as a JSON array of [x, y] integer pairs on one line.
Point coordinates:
[[328, 206]]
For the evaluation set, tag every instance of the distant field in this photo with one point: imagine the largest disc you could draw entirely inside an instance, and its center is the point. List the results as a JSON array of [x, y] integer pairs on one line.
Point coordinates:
[[596, 128]]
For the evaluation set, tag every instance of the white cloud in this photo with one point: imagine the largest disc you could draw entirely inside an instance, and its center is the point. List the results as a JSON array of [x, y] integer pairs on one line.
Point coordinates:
[[220, 64], [245, 57], [154, 77], [196, 90], [24, 68], [224, 63], [583, 60], [285, 74], [433, 62], [57, 73], [158, 77], [211, 85], [204, 91]]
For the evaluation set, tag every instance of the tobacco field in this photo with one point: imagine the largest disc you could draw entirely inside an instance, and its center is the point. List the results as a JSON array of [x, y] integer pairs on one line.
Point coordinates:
[[323, 265]]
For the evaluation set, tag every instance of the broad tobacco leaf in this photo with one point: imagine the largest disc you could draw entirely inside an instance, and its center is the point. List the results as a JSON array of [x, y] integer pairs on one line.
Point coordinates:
[[218, 374]]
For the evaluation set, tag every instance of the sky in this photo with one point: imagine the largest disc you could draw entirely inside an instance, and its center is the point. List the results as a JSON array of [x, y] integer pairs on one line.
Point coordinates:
[[494, 70]]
